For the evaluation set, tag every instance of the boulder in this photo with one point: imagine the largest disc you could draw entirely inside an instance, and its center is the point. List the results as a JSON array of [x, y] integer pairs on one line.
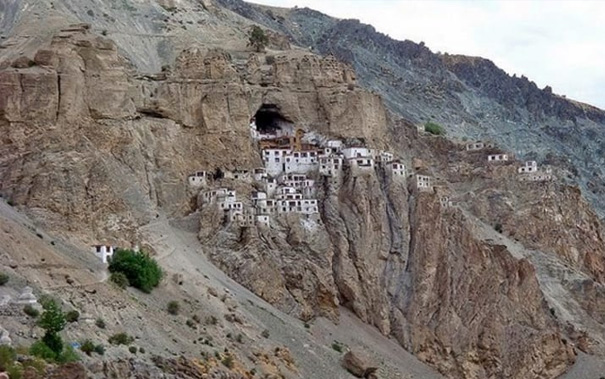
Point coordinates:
[[358, 364]]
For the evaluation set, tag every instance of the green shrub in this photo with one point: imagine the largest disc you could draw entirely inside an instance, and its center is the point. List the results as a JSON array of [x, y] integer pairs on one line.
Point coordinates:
[[173, 307], [141, 350], [132, 349], [121, 339], [100, 323], [434, 128], [39, 365], [142, 271], [72, 316], [119, 279], [31, 311], [265, 333], [196, 318], [88, 347], [3, 278], [190, 323], [498, 227]]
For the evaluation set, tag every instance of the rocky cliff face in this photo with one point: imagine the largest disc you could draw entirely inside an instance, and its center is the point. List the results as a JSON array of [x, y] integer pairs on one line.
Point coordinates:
[[94, 148]]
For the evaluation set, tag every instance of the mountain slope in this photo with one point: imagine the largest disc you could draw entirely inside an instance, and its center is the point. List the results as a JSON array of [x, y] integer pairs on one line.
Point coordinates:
[[472, 97]]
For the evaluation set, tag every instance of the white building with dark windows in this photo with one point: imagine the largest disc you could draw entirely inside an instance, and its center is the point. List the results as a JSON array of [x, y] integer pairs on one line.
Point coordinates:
[[330, 165], [104, 252], [528, 167], [199, 179], [275, 160], [356, 152], [395, 169], [497, 158], [424, 183], [259, 174], [301, 162]]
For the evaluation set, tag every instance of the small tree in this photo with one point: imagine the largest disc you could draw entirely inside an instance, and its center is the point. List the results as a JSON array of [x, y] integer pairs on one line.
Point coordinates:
[[52, 321], [257, 38]]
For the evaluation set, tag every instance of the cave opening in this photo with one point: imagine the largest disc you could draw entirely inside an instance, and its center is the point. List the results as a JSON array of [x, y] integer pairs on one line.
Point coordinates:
[[269, 120]]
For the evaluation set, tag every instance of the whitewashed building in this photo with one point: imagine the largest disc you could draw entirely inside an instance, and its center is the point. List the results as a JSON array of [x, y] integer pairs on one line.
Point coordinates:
[[474, 146], [243, 175], [262, 220], [104, 252], [528, 167], [309, 207], [356, 152], [259, 174], [361, 164], [274, 160], [330, 165], [335, 144], [396, 169], [301, 162], [423, 183], [497, 157], [537, 177], [385, 157], [270, 185], [199, 179]]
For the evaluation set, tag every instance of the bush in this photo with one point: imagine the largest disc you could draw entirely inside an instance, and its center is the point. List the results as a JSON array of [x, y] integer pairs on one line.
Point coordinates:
[[31, 311], [498, 227], [336, 346], [132, 349], [119, 279], [88, 347], [3, 278], [121, 339], [68, 355], [141, 350], [190, 323], [72, 316], [100, 349], [100, 323], [142, 271], [434, 128], [41, 350], [265, 333], [173, 307]]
